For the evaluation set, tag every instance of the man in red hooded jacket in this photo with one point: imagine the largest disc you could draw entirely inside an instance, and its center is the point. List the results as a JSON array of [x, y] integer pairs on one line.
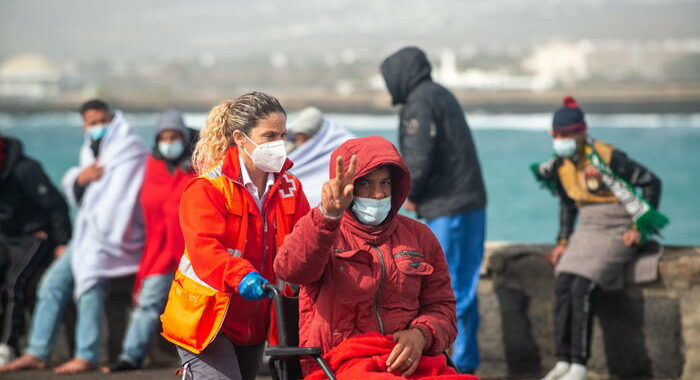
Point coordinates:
[[363, 268]]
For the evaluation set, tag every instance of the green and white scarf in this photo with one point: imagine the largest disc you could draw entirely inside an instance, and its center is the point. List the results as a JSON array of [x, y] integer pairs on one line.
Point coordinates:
[[647, 219]]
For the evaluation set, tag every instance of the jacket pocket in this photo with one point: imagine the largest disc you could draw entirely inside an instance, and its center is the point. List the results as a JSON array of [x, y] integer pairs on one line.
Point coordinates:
[[352, 275], [194, 314], [412, 268]]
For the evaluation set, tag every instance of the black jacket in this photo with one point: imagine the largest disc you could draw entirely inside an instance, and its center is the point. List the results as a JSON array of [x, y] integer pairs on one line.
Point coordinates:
[[434, 139], [634, 173], [29, 202]]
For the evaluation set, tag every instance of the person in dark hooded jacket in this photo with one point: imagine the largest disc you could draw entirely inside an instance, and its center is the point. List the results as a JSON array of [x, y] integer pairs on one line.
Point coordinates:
[[446, 183], [34, 222]]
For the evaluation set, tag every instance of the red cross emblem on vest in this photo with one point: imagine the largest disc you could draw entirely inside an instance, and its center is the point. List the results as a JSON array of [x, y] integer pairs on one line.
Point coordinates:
[[287, 186]]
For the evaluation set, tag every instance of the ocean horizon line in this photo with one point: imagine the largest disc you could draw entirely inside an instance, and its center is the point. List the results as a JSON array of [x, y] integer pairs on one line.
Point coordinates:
[[364, 122]]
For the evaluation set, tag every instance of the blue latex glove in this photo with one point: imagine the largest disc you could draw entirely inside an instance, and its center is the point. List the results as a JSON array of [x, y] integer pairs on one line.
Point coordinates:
[[250, 286]]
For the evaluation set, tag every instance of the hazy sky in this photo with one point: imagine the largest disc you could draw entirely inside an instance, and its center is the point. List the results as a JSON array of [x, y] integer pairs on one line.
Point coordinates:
[[89, 29]]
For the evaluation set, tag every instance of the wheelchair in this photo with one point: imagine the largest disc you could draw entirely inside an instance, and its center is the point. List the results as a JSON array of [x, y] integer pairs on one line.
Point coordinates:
[[284, 358]]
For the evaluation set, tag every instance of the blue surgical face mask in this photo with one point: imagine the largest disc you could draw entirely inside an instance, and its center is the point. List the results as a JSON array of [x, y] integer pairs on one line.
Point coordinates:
[[564, 147], [97, 132], [171, 150], [371, 211]]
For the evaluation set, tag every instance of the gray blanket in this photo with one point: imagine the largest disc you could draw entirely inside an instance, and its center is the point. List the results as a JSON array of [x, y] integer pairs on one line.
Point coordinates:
[[596, 250]]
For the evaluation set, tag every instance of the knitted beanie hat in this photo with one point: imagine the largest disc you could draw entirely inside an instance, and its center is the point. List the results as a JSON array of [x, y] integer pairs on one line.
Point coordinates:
[[569, 118]]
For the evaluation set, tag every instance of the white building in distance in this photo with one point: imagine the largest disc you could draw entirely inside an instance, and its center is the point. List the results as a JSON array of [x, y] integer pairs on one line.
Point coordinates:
[[559, 63], [29, 77]]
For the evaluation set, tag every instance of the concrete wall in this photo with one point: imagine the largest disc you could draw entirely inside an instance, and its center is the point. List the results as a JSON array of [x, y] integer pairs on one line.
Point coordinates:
[[648, 330]]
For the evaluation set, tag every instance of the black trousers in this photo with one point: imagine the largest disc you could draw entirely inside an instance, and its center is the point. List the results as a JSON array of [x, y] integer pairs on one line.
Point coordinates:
[[574, 305], [22, 261]]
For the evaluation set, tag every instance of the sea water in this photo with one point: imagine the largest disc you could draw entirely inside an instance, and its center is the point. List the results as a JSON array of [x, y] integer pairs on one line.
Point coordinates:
[[518, 209]]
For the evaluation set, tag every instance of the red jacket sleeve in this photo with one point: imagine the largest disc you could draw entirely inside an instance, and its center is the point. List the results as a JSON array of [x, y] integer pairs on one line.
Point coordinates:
[[303, 256], [437, 316], [203, 222]]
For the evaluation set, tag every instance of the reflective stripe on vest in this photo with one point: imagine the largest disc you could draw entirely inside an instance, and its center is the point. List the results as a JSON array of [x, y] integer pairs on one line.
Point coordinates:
[[186, 269]]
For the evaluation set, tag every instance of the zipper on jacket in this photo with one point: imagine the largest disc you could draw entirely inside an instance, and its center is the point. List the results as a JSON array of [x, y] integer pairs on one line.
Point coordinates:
[[408, 253], [381, 287]]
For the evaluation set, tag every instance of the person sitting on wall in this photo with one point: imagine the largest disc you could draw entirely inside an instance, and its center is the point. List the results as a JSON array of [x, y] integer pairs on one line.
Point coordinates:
[[596, 182], [34, 229], [168, 170], [107, 239]]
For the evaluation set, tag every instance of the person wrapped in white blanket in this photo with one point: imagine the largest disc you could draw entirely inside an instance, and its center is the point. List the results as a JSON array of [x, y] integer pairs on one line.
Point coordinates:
[[108, 239], [313, 138]]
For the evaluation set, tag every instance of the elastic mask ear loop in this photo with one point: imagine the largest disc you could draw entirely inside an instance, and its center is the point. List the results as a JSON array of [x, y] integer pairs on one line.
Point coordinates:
[[244, 150]]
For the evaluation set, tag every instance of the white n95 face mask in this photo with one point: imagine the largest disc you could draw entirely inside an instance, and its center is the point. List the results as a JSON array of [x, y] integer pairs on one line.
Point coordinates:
[[371, 211], [268, 157]]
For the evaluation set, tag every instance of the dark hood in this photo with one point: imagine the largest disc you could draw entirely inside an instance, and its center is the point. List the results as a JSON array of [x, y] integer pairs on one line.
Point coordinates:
[[403, 70], [11, 151], [172, 119], [373, 152], [185, 161]]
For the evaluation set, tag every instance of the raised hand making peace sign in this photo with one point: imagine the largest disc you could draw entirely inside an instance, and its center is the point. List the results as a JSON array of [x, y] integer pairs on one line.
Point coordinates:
[[336, 194]]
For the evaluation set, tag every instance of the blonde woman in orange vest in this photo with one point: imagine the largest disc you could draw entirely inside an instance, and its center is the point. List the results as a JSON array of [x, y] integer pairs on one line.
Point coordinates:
[[234, 216]]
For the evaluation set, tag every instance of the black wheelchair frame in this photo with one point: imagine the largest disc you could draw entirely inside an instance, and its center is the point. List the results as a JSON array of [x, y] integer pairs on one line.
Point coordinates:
[[284, 357]]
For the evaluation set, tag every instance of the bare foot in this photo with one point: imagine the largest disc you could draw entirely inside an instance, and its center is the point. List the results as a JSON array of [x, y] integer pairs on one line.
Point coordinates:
[[73, 366], [23, 362]]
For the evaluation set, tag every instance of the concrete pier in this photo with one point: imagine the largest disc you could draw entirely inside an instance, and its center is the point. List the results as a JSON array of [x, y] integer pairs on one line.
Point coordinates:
[[648, 330]]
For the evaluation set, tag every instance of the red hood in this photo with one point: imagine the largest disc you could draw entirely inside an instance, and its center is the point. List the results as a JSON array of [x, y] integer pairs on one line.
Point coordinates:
[[373, 152]]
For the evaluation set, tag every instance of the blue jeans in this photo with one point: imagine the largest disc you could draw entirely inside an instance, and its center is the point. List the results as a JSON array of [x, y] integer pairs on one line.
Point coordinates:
[[462, 239], [54, 292], [145, 318]]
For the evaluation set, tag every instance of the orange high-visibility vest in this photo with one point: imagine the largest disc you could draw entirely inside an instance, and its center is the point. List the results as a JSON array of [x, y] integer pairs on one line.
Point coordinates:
[[196, 311]]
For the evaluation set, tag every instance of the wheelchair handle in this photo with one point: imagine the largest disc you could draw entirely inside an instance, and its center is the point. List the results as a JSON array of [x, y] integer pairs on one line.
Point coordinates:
[[271, 290], [277, 296]]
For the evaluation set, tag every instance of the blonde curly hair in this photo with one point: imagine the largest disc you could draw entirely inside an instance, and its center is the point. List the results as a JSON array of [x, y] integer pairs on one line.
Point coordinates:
[[231, 115]]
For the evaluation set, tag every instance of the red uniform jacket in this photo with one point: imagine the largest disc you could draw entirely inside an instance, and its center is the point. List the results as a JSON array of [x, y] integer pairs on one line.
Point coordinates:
[[213, 224]]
